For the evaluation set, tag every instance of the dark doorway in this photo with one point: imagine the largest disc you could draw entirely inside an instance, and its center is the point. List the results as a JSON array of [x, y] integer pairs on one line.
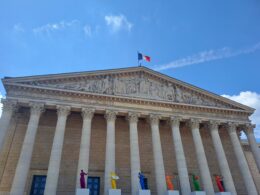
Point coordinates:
[[38, 185], [94, 185]]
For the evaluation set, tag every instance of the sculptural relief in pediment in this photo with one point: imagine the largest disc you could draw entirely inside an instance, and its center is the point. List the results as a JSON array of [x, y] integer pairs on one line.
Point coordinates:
[[137, 86]]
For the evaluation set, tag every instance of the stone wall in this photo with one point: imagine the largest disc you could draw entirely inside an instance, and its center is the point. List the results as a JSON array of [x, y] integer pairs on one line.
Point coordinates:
[[68, 175]]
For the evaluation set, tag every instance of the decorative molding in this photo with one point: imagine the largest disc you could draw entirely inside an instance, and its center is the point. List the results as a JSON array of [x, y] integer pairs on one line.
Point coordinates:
[[36, 108], [140, 85], [87, 113], [232, 127], [154, 119], [9, 105], [63, 110], [50, 101], [249, 129], [110, 115], [195, 123], [133, 117], [214, 125], [175, 120], [16, 92]]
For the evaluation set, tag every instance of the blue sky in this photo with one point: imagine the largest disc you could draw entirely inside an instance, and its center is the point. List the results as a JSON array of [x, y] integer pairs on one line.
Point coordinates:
[[214, 45]]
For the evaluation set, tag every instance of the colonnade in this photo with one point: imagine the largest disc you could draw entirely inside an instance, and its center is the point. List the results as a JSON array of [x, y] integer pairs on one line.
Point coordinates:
[[36, 109]]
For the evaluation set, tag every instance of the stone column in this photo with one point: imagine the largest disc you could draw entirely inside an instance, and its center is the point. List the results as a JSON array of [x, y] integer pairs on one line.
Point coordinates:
[[201, 158], [87, 115], [110, 149], [241, 159], [134, 150], [9, 107], [157, 155], [24, 161], [56, 151], [249, 131], [221, 157], [180, 157]]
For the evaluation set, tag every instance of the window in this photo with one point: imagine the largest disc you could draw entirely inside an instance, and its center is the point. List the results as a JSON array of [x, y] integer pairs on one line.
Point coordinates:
[[93, 185], [38, 185]]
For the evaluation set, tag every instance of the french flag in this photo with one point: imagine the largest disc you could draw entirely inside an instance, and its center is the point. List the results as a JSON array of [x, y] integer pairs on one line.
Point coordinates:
[[143, 57]]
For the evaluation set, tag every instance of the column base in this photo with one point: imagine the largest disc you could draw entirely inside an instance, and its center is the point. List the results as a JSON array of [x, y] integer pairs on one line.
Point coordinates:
[[173, 192], [223, 193], [114, 192], [198, 193], [81, 191], [144, 192]]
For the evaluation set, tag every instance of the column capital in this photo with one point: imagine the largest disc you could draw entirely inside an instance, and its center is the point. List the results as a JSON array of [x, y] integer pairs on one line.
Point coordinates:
[[249, 129], [232, 127], [9, 105], [154, 118], [214, 125], [133, 117], [175, 120], [63, 110], [36, 108], [87, 113], [195, 123], [110, 115]]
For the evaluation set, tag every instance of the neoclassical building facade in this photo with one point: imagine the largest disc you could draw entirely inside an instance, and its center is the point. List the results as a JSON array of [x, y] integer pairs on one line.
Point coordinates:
[[124, 121]]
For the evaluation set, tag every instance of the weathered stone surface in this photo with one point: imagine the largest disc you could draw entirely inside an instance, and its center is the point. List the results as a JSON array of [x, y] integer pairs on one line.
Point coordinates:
[[145, 93], [136, 86]]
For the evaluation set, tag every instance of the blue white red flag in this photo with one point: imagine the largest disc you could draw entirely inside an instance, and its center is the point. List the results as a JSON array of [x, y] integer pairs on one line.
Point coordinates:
[[143, 57]]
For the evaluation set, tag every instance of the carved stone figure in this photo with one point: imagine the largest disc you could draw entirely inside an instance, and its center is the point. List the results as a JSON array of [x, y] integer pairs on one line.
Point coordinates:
[[137, 86], [178, 95], [169, 92], [106, 85], [119, 86], [144, 86]]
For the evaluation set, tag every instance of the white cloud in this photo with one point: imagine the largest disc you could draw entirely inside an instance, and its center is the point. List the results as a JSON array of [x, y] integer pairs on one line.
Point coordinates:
[[206, 56], [118, 22], [251, 99], [18, 28], [49, 28], [87, 30]]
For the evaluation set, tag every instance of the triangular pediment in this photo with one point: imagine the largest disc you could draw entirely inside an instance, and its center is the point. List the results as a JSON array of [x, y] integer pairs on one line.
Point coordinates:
[[135, 82]]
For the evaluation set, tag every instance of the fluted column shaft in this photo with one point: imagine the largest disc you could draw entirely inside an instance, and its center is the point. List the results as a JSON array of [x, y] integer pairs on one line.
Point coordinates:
[[157, 155], [201, 158], [180, 157], [222, 160], [249, 131], [56, 151], [134, 152], [110, 149], [242, 163], [24, 161], [8, 110], [87, 115]]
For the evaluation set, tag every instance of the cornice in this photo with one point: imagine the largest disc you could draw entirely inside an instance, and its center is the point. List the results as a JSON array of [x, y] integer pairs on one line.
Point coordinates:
[[125, 71], [123, 111], [142, 101]]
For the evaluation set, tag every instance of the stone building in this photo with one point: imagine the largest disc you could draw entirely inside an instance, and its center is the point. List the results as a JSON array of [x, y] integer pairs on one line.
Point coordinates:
[[124, 121]]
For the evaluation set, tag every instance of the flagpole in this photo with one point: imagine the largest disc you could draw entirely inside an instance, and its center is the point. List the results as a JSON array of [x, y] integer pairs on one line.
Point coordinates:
[[138, 61]]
